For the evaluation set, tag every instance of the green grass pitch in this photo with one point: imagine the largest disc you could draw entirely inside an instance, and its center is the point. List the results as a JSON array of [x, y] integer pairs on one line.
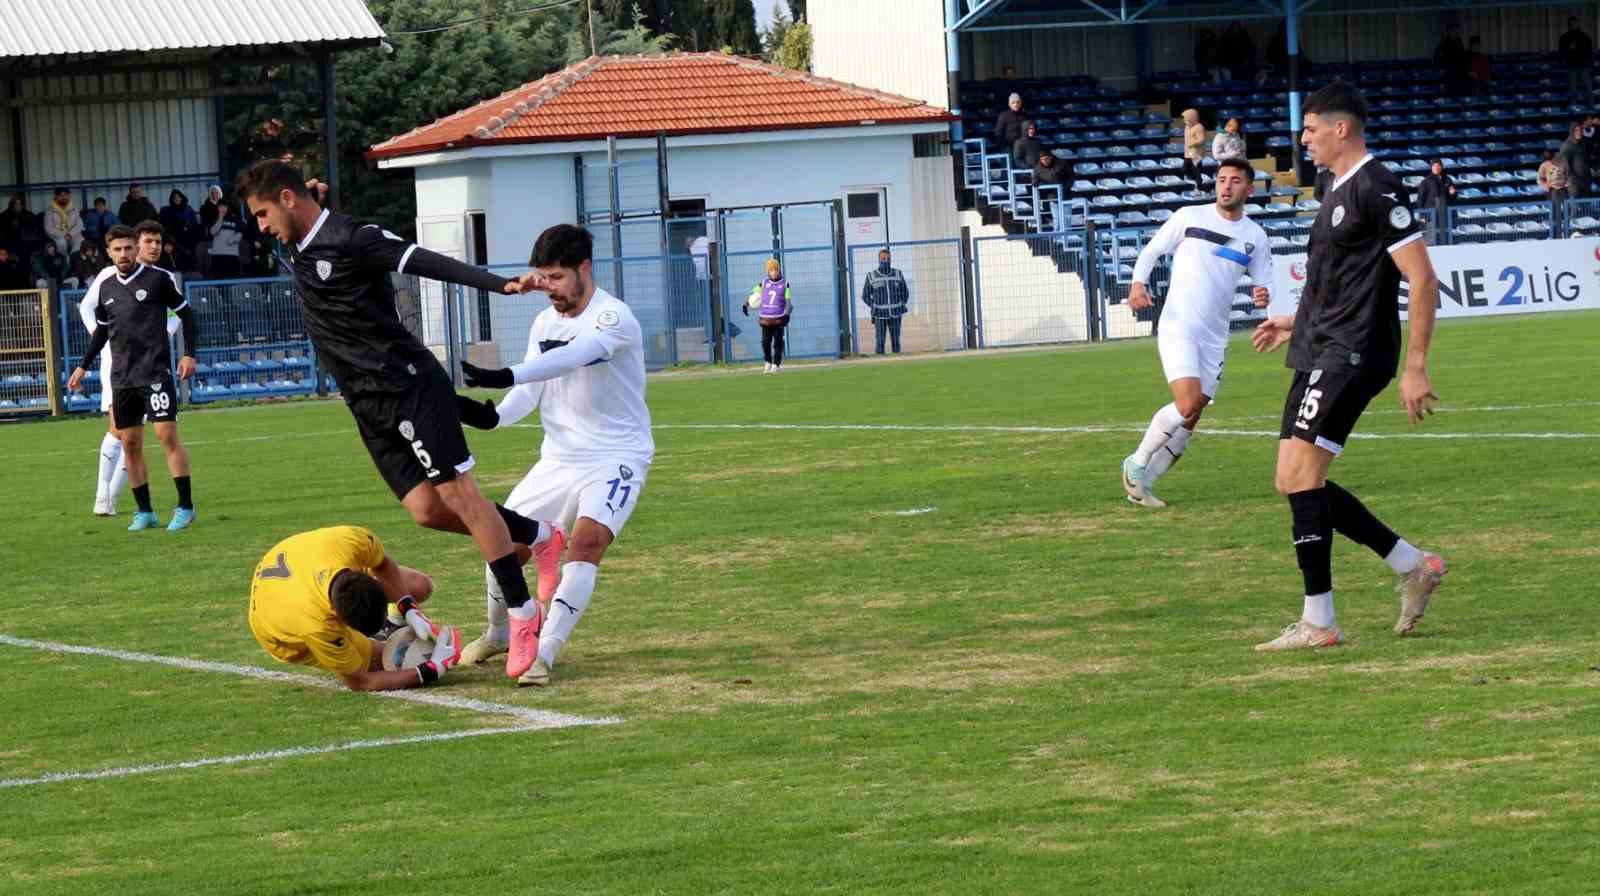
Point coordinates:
[[1031, 687]]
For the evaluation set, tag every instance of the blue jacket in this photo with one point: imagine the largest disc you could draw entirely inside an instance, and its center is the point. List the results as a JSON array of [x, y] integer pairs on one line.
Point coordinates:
[[95, 224]]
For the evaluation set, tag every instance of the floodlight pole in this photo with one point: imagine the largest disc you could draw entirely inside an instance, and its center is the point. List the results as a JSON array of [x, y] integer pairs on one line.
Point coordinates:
[[1291, 25]]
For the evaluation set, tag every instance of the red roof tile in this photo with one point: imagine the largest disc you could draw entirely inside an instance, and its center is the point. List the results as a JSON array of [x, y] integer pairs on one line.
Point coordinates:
[[638, 96]]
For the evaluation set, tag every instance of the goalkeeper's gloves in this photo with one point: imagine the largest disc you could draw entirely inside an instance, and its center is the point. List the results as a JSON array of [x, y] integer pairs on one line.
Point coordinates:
[[446, 653], [418, 620], [483, 377], [477, 414]]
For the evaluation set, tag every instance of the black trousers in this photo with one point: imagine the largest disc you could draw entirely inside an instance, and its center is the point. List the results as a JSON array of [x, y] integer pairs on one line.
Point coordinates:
[[772, 343], [1191, 170]]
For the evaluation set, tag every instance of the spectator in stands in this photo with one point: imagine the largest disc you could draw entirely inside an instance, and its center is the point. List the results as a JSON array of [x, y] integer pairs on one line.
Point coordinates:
[[12, 274], [1025, 152], [1591, 150], [175, 258], [1575, 53], [227, 234], [87, 262], [136, 209], [1008, 72], [1553, 180], [52, 270], [62, 223], [181, 221], [1436, 192], [1229, 142], [888, 297], [208, 210], [1451, 58], [98, 220], [1575, 158], [1047, 172], [1008, 128], [1480, 73], [1194, 147], [1237, 51]]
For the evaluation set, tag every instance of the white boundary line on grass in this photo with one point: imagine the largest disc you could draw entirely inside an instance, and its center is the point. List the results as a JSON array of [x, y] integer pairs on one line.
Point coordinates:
[[1097, 428], [528, 719]]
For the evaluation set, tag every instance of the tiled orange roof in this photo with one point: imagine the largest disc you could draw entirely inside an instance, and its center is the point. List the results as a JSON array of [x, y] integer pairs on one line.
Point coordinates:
[[638, 96]]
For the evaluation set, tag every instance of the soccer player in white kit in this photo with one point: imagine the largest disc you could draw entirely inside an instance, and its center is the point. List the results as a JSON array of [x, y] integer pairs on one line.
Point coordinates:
[[584, 372], [1211, 245]]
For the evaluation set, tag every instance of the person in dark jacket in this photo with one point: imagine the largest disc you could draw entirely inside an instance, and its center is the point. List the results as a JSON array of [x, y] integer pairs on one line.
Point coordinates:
[[1025, 152], [51, 270], [12, 274], [1451, 58], [1575, 157], [1575, 53], [181, 221], [1436, 192], [136, 209], [97, 221], [88, 261], [1046, 171], [209, 212], [886, 293], [1008, 127]]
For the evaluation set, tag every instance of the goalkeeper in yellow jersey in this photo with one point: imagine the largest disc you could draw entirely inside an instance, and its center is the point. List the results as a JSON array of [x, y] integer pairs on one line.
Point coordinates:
[[317, 599]]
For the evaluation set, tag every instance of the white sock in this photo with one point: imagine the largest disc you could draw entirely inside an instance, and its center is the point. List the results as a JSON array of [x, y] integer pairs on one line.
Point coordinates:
[[1167, 455], [545, 531], [1161, 428], [1319, 609], [110, 458], [119, 480], [1404, 558], [566, 608], [494, 603]]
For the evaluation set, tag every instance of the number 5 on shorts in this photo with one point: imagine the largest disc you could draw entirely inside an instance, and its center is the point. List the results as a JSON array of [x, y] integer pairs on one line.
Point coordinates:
[[1309, 406], [618, 485]]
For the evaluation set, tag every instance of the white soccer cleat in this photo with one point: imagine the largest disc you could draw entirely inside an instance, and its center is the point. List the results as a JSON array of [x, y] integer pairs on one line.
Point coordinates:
[[483, 650], [1416, 588], [1302, 635], [1133, 481], [538, 675]]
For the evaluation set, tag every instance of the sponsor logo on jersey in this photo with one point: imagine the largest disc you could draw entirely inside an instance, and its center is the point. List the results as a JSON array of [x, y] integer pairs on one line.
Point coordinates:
[[607, 318], [1338, 215], [1297, 270], [1399, 217], [625, 473], [324, 269], [141, 295], [407, 431]]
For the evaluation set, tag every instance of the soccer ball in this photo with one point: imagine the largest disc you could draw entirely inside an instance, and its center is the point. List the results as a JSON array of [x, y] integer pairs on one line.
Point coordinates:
[[404, 650], [753, 302]]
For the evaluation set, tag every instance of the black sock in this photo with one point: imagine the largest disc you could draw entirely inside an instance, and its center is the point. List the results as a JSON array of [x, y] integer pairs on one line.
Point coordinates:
[[1355, 522], [508, 575], [185, 499], [1313, 538], [522, 529], [141, 498]]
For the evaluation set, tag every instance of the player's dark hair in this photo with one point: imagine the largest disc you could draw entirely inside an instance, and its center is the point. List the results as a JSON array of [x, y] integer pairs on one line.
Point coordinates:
[[1338, 98], [120, 232], [149, 226], [359, 600], [564, 245], [1245, 168], [267, 179]]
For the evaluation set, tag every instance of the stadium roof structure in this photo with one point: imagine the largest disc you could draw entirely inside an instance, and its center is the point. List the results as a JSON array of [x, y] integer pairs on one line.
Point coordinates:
[[36, 34], [676, 94], [1028, 15]]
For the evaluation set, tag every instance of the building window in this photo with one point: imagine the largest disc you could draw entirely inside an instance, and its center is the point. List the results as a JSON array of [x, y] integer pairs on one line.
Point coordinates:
[[480, 257], [863, 205], [929, 146]]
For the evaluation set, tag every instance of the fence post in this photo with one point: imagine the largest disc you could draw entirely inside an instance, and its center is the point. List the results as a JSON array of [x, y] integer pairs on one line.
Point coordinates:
[[841, 277], [1091, 246], [969, 304], [447, 300], [714, 311], [52, 354]]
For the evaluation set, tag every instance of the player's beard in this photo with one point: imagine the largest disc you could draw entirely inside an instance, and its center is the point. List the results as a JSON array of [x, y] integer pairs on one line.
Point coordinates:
[[1233, 206]]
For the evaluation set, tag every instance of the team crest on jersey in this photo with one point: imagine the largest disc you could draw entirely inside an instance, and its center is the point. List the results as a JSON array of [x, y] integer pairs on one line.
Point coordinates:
[[625, 473], [1315, 375], [407, 431], [324, 269], [607, 318], [141, 295], [1338, 215], [1399, 217]]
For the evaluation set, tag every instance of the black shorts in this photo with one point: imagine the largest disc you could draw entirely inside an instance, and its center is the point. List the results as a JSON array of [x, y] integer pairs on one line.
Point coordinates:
[[1324, 405], [132, 405], [414, 437]]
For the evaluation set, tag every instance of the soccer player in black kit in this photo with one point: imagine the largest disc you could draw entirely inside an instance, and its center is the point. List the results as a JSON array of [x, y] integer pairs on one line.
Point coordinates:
[[401, 397], [1344, 346], [131, 313]]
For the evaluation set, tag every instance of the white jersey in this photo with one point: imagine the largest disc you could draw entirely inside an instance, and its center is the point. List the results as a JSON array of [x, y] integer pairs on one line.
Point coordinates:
[[596, 412], [1209, 252]]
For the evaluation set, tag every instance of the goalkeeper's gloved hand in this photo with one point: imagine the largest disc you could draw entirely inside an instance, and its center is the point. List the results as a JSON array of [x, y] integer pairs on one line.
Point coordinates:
[[477, 414], [418, 620], [446, 653], [483, 377]]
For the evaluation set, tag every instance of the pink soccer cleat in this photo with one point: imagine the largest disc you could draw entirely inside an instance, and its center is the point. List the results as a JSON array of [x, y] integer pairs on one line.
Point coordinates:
[[1416, 589], [547, 557], [524, 641]]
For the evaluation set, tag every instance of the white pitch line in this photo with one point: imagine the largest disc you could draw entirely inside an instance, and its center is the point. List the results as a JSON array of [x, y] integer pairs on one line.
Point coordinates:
[[265, 755], [1091, 429], [532, 719]]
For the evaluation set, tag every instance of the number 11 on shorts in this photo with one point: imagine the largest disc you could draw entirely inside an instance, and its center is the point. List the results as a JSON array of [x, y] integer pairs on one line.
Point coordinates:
[[616, 486]]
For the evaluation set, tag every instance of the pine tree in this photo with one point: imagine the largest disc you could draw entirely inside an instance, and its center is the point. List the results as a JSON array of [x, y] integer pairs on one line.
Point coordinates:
[[732, 26]]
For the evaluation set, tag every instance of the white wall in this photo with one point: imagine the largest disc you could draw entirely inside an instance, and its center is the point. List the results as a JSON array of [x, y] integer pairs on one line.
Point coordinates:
[[896, 46]]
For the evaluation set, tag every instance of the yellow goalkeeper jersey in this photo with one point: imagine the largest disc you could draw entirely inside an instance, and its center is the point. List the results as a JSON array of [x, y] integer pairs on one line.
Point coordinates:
[[291, 613]]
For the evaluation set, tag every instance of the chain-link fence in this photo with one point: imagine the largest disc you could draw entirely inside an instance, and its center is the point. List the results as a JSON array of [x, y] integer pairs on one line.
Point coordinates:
[[936, 316], [27, 342], [1031, 290]]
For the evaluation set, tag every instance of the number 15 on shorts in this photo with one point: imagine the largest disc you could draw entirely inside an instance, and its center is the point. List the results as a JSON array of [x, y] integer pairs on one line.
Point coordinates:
[[1309, 406], [618, 487]]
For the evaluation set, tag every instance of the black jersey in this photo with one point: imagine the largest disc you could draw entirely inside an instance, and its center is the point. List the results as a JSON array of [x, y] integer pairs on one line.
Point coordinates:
[[1349, 317], [134, 310]]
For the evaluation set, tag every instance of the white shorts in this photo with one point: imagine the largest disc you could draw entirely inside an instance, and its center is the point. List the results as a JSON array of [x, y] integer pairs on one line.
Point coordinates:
[[1183, 355], [604, 491], [105, 380]]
